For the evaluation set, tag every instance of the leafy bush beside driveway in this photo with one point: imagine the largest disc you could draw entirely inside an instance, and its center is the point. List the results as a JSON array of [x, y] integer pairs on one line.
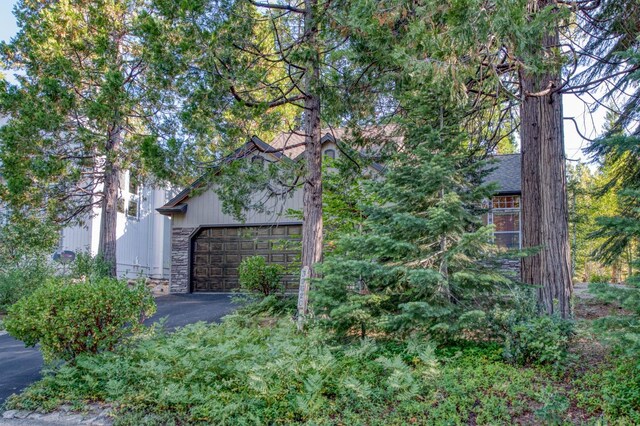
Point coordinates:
[[21, 281], [70, 318]]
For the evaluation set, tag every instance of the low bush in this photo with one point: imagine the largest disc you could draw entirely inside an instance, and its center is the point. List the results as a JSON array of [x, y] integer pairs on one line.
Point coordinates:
[[68, 318], [256, 276], [538, 340], [600, 278], [18, 282], [620, 384], [274, 305], [613, 389], [623, 330], [87, 266]]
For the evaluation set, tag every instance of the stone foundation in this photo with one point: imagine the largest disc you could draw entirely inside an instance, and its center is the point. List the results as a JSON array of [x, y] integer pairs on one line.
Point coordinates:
[[157, 287], [511, 268], [180, 243]]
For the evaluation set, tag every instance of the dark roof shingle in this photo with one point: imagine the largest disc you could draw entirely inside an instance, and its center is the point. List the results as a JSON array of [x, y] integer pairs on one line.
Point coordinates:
[[506, 173]]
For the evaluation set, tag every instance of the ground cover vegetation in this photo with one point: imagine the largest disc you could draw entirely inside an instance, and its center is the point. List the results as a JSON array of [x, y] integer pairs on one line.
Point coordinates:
[[411, 319]]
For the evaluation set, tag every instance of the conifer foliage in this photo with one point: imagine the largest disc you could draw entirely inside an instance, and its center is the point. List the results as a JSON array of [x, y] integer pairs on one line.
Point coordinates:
[[423, 261]]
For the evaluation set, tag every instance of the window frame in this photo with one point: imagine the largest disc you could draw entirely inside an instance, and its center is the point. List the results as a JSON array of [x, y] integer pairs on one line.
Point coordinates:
[[135, 197], [507, 210], [126, 198]]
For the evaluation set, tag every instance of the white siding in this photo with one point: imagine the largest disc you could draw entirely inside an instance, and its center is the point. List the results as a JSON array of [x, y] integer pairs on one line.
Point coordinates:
[[77, 238], [143, 245]]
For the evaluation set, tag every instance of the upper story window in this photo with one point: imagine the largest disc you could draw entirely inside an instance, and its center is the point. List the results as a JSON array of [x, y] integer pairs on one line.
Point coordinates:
[[330, 153], [505, 216], [129, 199]]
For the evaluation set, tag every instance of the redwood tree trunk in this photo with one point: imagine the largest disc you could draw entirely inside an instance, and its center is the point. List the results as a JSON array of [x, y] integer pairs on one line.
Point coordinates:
[[544, 196], [108, 222], [312, 196]]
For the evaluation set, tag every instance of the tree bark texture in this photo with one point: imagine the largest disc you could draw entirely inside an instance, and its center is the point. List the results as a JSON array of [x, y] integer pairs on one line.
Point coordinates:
[[544, 196], [312, 196], [108, 223]]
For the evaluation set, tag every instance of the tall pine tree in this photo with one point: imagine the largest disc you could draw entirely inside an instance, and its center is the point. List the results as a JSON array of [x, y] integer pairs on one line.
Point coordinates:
[[246, 61], [78, 112], [422, 261]]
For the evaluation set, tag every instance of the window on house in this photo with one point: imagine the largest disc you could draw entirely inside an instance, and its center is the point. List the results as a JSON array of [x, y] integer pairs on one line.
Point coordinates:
[[120, 205], [331, 153], [129, 199], [134, 208], [134, 185], [505, 216], [122, 181]]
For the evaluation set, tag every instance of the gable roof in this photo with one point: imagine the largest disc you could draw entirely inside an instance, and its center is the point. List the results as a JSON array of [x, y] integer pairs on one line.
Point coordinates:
[[506, 173], [292, 143], [286, 146], [290, 147], [254, 144]]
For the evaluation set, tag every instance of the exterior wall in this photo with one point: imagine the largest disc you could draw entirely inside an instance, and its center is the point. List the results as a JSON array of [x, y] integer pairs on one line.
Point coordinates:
[[511, 268], [206, 209], [143, 242]]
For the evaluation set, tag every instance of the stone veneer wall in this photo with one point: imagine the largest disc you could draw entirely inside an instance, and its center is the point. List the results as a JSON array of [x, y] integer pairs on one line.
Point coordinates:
[[180, 242], [512, 268]]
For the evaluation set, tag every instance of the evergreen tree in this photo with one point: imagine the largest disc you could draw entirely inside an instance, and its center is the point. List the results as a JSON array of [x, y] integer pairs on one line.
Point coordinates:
[[618, 231], [587, 202], [422, 261], [246, 61], [79, 111]]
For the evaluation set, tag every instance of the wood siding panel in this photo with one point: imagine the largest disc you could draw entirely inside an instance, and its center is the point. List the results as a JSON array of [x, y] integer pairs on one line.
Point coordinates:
[[206, 209]]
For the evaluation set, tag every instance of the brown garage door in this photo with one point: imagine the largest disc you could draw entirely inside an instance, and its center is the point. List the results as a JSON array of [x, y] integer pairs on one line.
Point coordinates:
[[217, 252]]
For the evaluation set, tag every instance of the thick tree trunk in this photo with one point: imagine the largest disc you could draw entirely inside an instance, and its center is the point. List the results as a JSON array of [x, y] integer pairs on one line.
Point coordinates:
[[108, 222], [544, 197], [312, 196]]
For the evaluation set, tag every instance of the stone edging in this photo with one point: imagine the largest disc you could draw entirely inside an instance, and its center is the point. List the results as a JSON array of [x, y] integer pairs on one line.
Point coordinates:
[[93, 415]]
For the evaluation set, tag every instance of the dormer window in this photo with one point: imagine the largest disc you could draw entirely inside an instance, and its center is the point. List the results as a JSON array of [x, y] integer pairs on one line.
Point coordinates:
[[330, 153]]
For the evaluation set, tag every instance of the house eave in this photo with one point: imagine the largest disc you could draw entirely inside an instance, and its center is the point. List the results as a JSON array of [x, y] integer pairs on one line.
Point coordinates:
[[168, 211], [508, 193]]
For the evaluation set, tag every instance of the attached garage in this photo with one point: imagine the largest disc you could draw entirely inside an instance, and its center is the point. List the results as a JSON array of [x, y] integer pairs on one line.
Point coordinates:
[[216, 253], [208, 243]]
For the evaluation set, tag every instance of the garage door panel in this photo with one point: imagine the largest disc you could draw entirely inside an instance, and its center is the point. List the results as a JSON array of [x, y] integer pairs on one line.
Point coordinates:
[[217, 253], [247, 246]]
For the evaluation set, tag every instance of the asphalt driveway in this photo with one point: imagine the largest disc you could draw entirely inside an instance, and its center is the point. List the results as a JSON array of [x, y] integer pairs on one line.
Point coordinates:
[[20, 366]]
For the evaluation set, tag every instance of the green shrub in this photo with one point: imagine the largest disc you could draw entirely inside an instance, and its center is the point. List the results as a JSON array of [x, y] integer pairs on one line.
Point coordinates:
[[612, 389], [18, 282], [624, 329], [87, 266], [68, 318], [256, 276], [600, 278], [274, 305], [538, 340], [621, 384]]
